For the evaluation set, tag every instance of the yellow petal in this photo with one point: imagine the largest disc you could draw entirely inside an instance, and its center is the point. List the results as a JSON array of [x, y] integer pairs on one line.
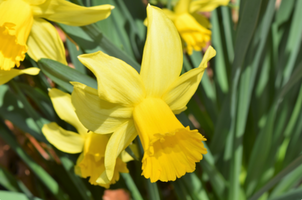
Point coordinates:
[[96, 114], [171, 15], [95, 145], [35, 2], [181, 91], [182, 6], [45, 42], [15, 24], [91, 161], [62, 104], [119, 140], [87, 167], [66, 141], [71, 14], [126, 156], [195, 35], [162, 57], [5, 76], [207, 5], [117, 81], [170, 149], [120, 167]]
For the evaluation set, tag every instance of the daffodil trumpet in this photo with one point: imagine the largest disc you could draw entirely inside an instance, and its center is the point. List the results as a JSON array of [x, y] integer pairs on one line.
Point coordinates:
[[127, 104]]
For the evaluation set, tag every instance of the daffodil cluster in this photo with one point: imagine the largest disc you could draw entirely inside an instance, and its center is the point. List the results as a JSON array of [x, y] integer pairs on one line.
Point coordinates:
[[128, 104]]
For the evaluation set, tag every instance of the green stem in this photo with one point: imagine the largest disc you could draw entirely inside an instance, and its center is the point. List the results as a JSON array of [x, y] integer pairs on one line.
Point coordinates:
[[132, 187]]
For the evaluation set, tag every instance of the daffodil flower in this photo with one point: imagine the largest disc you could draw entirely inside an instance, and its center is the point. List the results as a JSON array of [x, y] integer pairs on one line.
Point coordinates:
[[193, 27], [127, 103], [23, 28], [91, 145]]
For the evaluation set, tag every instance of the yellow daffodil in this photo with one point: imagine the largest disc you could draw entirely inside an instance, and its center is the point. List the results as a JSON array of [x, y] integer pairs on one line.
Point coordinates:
[[23, 28], [91, 161], [5, 76], [192, 26], [127, 103]]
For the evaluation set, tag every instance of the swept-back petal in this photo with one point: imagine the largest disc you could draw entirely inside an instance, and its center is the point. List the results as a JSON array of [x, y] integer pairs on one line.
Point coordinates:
[[181, 91], [95, 114], [117, 81], [207, 5], [62, 104], [182, 6], [119, 140], [5, 76], [44, 42], [162, 57], [71, 14], [66, 141]]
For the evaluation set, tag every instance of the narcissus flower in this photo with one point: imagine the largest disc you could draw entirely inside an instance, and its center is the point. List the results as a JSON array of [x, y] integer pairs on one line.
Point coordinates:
[[192, 26], [127, 103], [5, 76], [23, 28], [91, 145]]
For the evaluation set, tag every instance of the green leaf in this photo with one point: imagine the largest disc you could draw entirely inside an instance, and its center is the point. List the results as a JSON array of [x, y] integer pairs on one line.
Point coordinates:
[[152, 189], [92, 40], [8, 181], [44, 177], [246, 27], [62, 74], [76, 180], [221, 64], [13, 110], [296, 163], [287, 183], [292, 195], [74, 53], [5, 195], [131, 186]]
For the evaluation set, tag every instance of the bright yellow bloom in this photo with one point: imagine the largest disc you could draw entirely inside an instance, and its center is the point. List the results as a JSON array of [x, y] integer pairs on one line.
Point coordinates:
[[193, 27], [127, 103], [23, 28], [91, 161]]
